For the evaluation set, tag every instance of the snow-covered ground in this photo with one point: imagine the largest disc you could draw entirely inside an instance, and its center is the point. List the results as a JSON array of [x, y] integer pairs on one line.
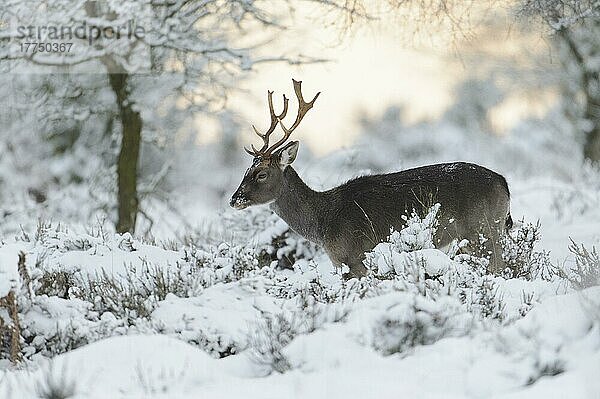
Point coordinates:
[[111, 317], [212, 315], [505, 362]]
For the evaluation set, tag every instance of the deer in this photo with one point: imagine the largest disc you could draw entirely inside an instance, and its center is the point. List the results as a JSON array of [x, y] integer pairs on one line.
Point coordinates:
[[351, 219]]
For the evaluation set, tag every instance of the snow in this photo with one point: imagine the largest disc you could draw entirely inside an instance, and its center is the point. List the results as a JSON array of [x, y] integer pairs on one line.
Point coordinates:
[[221, 314], [199, 307], [112, 259], [205, 302], [224, 319], [330, 363], [9, 275], [126, 367]]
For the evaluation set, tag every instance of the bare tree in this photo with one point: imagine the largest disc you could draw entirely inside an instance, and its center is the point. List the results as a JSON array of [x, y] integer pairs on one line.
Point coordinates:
[[576, 28], [189, 51]]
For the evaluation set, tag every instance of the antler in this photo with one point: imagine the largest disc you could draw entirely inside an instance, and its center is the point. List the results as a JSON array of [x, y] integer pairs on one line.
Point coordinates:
[[274, 120], [303, 108]]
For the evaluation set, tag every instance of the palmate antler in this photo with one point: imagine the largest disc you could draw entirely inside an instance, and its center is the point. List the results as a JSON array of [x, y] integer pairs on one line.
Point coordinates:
[[303, 108]]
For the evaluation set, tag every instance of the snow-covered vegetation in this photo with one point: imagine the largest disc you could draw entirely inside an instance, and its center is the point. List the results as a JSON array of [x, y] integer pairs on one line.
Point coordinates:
[[105, 315], [236, 304], [263, 313], [204, 301]]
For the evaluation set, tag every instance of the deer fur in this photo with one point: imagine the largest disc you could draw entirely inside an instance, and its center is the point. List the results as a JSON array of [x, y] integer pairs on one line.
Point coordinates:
[[351, 219]]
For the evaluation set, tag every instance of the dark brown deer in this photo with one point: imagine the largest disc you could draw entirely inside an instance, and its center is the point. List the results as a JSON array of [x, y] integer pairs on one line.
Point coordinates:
[[354, 217]]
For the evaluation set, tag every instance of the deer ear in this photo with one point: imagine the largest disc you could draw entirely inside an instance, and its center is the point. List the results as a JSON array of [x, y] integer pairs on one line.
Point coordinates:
[[288, 153]]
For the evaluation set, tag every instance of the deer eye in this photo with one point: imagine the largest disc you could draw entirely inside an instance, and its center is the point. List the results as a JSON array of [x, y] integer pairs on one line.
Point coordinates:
[[261, 176]]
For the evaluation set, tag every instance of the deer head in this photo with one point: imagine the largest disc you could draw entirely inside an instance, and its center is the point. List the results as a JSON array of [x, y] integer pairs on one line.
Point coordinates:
[[263, 180]]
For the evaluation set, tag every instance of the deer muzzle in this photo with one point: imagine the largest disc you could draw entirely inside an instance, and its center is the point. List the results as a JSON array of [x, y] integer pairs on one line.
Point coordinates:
[[239, 201]]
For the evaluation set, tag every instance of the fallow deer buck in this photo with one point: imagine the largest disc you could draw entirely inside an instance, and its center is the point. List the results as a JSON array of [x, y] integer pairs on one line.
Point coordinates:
[[352, 218]]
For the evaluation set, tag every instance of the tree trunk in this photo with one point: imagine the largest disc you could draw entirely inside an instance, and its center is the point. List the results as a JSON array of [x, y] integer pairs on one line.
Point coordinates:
[[127, 166], [591, 149], [589, 83]]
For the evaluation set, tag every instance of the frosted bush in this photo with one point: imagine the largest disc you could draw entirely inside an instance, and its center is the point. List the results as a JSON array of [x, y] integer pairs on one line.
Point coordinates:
[[222, 263], [100, 304], [546, 360], [411, 263], [418, 232], [581, 196], [54, 325], [442, 295], [268, 339], [483, 299], [136, 292], [586, 272], [400, 250], [358, 289], [56, 384], [218, 344], [314, 288], [271, 237], [520, 256], [420, 322], [527, 301]]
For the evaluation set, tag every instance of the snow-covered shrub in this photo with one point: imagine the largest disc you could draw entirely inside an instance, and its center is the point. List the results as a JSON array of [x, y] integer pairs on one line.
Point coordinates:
[[469, 279], [526, 303], [313, 287], [447, 295], [271, 236], [59, 237], [272, 333], [422, 321], [55, 384], [129, 281], [54, 283], [54, 325], [520, 256], [393, 257], [587, 266], [215, 344], [357, 289], [581, 196], [546, 364], [411, 263], [484, 300], [135, 293], [418, 232], [129, 296], [410, 254], [221, 264]]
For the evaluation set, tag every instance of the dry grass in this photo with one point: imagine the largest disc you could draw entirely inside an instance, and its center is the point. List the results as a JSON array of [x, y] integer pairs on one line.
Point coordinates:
[[9, 302]]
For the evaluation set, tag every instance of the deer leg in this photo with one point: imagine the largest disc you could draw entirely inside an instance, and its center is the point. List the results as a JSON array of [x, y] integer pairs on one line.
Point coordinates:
[[357, 268], [494, 248], [488, 245]]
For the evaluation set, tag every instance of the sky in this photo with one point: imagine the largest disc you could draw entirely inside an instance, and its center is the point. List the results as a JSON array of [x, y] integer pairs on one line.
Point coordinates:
[[376, 66]]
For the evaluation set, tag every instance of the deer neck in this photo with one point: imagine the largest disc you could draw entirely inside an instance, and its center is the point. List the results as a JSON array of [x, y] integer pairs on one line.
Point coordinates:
[[300, 206]]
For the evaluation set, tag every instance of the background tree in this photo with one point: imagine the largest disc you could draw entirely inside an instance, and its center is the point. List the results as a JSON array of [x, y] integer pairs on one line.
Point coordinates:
[[575, 25], [183, 58]]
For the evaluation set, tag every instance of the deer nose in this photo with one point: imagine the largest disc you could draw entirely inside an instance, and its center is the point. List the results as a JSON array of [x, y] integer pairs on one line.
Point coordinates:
[[238, 200]]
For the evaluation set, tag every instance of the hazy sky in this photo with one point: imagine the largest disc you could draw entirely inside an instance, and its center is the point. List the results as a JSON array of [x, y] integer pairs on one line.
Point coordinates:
[[376, 67]]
